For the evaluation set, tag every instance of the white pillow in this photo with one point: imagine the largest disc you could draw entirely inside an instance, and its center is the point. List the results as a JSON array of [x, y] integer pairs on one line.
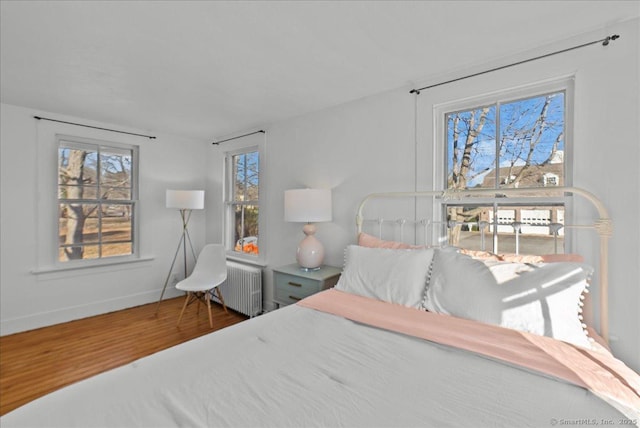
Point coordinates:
[[542, 299], [396, 276]]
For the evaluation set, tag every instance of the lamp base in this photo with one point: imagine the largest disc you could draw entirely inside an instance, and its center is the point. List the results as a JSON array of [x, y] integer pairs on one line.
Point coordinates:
[[310, 253]]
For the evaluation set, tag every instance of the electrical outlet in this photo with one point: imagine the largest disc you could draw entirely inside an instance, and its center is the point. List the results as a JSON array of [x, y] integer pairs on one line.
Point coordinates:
[[174, 279]]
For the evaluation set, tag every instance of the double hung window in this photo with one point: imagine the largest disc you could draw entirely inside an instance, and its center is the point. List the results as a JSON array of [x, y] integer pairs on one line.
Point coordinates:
[[97, 199], [508, 143], [243, 202]]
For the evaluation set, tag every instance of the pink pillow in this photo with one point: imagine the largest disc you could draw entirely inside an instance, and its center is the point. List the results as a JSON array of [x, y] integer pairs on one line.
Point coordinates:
[[553, 258], [520, 258], [545, 258], [480, 255], [365, 240]]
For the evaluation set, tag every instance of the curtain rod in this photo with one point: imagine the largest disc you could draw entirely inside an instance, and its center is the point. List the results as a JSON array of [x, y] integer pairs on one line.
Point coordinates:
[[94, 127], [239, 136], [605, 42]]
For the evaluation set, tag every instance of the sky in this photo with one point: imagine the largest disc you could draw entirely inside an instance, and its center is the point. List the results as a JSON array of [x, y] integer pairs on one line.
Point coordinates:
[[519, 123]]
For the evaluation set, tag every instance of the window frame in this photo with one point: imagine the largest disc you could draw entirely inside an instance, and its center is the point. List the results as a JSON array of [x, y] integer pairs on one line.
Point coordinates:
[[229, 206], [440, 151], [133, 201]]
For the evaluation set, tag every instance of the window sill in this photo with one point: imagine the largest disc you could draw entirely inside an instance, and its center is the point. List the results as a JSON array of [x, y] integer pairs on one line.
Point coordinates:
[[247, 261], [54, 269]]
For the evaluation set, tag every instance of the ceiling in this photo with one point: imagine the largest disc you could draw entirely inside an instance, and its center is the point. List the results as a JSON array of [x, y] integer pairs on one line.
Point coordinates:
[[208, 69]]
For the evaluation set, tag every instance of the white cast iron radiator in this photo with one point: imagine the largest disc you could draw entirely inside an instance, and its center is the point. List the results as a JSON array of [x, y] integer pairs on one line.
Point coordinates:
[[242, 291]]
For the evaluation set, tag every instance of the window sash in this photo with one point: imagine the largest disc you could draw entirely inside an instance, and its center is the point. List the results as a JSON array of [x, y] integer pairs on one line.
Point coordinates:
[[492, 130], [562, 86], [498, 235], [237, 198], [123, 243]]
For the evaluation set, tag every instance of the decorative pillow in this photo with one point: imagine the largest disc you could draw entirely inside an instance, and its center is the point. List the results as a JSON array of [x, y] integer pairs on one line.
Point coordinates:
[[479, 254], [365, 240], [544, 258], [554, 258], [396, 276], [541, 299], [522, 258]]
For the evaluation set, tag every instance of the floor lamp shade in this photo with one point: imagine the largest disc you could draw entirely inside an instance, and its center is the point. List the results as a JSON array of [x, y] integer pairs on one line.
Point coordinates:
[[308, 206], [185, 199]]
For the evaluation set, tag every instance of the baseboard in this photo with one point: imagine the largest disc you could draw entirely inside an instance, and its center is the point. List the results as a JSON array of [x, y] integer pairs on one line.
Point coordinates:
[[62, 315]]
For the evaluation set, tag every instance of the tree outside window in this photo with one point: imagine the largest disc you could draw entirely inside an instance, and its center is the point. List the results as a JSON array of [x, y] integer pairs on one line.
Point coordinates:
[[96, 206], [245, 207], [511, 144]]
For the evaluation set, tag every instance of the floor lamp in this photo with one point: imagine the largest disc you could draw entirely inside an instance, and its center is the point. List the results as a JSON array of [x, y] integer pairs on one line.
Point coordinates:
[[185, 201]]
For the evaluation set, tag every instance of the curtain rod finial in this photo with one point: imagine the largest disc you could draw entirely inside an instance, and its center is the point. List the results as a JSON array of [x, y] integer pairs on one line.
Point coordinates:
[[606, 41]]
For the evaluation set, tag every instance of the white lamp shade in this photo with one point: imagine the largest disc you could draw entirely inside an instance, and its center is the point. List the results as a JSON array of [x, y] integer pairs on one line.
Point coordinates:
[[185, 199], [307, 205]]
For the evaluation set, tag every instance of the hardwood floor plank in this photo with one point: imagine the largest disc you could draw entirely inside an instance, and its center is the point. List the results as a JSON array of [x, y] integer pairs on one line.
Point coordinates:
[[37, 362]]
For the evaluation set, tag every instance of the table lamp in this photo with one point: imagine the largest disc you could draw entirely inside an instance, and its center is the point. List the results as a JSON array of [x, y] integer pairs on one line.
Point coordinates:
[[308, 206]]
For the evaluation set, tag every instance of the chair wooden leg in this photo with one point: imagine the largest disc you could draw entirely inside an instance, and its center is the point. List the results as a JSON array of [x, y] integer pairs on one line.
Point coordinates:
[[221, 299], [209, 309], [186, 301]]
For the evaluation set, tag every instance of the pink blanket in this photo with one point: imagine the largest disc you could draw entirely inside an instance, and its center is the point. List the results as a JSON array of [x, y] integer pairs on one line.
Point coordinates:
[[597, 371]]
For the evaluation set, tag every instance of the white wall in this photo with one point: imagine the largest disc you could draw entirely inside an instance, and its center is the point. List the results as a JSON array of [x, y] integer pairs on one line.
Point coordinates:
[[368, 145], [31, 300]]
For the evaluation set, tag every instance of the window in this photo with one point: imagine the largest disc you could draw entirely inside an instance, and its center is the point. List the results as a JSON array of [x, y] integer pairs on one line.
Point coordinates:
[[243, 204], [96, 200], [507, 143]]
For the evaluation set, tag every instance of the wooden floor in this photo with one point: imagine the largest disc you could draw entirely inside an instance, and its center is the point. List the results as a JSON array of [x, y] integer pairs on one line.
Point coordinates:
[[37, 362]]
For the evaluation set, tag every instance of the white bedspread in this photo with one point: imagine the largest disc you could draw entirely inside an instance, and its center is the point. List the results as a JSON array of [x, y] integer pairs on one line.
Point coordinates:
[[298, 367]]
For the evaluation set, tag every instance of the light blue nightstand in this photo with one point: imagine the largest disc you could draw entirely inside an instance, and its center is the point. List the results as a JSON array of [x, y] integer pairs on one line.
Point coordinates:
[[293, 283]]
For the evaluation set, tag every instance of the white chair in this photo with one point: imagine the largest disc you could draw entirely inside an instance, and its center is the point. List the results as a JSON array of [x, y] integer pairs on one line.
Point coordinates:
[[209, 272]]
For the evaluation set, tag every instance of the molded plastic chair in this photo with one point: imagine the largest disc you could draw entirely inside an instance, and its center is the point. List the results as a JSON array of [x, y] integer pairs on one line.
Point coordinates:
[[209, 272]]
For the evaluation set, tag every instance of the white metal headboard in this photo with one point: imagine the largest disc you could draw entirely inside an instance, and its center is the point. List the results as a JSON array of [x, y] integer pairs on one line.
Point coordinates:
[[602, 225]]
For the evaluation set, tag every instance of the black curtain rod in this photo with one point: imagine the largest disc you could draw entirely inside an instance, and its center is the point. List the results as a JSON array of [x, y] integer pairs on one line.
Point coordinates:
[[239, 136], [605, 42], [94, 127]]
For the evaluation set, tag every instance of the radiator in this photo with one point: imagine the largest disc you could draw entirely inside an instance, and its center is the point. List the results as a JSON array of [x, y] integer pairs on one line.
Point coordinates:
[[242, 290]]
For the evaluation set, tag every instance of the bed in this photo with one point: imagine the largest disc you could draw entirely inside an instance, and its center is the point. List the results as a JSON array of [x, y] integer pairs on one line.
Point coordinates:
[[412, 335]]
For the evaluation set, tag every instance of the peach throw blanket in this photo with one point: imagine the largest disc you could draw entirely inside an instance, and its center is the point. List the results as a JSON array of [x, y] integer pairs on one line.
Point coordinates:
[[597, 371]]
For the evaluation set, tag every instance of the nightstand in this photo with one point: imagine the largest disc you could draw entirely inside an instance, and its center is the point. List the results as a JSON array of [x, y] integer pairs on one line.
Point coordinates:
[[293, 283]]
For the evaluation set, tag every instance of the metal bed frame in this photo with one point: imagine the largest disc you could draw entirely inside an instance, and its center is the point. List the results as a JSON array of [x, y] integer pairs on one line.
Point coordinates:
[[602, 225]]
